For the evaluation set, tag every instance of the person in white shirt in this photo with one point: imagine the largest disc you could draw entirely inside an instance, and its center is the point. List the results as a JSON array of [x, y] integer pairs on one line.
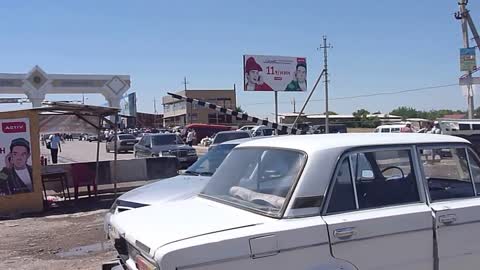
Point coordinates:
[[16, 176], [190, 136], [55, 147]]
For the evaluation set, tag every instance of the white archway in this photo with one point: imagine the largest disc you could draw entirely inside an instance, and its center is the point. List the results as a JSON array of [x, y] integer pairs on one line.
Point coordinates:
[[37, 83]]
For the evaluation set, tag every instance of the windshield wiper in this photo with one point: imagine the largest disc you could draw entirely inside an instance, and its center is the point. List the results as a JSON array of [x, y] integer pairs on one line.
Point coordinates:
[[191, 173], [206, 173]]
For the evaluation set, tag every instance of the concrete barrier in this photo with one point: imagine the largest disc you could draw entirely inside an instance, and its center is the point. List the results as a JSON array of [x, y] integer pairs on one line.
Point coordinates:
[[127, 171]]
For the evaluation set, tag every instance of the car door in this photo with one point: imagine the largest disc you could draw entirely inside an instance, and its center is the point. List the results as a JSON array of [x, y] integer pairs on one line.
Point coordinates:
[[376, 214], [137, 148], [452, 174]]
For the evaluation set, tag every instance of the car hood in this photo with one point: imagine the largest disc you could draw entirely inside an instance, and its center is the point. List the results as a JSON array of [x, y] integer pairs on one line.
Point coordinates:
[[159, 148], [158, 225], [179, 187]]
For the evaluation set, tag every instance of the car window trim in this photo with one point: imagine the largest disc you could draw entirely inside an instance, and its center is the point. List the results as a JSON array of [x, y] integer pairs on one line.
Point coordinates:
[[472, 180], [424, 180], [372, 148], [352, 181]]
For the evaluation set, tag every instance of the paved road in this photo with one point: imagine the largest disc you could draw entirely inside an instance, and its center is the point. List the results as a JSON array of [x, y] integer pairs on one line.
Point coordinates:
[[83, 151]]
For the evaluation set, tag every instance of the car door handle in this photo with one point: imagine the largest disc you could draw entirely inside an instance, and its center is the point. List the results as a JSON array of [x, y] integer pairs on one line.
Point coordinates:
[[344, 233], [447, 219]]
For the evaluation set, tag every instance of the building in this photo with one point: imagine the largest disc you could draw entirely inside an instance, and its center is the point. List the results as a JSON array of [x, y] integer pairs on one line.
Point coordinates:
[[148, 120], [178, 112]]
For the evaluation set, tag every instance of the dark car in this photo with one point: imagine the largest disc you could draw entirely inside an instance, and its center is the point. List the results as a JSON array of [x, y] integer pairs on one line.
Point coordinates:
[[125, 143], [166, 145]]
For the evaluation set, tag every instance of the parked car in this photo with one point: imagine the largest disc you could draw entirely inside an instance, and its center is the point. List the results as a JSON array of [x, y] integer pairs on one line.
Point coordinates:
[[258, 131], [332, 128], [336, 201], [389, 129], [205, 130], [224, 136], [180, 187], [125, 143], [91, 138], [161, 145]]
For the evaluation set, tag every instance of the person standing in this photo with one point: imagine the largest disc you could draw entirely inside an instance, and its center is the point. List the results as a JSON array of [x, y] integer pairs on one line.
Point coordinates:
[[55, 146], [408, 128], [190, 137]]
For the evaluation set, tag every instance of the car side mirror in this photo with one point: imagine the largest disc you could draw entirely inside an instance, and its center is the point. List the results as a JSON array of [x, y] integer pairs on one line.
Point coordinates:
[[148, 146]]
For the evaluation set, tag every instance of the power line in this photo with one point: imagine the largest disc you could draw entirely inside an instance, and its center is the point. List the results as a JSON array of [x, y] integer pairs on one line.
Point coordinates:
[[396, 92]]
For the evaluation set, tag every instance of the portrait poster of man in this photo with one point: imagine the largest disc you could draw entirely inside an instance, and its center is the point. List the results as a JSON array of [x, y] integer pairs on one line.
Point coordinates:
[[15, 157], [274, 73]]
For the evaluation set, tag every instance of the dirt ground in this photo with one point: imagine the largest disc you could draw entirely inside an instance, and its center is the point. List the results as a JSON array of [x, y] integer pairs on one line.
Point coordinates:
[[55, 241]]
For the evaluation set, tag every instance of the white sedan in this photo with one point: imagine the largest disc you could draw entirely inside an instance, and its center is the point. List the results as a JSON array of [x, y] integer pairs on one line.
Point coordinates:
[[323, 202]]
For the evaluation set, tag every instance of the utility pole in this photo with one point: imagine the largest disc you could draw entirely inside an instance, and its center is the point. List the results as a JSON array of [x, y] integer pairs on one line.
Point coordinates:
[[464, 15], [155, 106], [185, 82], [294, 108], [325, 48]]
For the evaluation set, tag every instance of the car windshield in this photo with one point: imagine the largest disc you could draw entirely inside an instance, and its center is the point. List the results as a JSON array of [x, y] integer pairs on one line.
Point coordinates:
[[224, 137], [126, 137], [166, 139], [208, 163], [257, 179]]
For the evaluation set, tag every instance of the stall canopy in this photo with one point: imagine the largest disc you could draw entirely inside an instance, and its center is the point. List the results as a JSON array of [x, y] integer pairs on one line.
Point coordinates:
[[61, 117]]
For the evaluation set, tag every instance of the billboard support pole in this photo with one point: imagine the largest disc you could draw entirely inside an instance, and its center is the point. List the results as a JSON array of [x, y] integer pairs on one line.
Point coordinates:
[[308, 98], [276, 107]]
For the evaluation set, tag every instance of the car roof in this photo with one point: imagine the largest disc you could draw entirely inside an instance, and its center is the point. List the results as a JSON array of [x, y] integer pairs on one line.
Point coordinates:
[[233, 131], [243, 140], [313, 143]]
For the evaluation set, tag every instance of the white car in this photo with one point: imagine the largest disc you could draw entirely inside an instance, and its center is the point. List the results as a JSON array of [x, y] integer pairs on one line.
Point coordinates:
[[320, 202]]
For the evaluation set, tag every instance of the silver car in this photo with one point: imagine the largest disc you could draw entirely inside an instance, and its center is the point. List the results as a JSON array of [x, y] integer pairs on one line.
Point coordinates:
[[125, 143], [180, 187]]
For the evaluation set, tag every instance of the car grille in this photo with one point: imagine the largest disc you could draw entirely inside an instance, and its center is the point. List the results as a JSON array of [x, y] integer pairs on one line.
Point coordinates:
[[182, 153]]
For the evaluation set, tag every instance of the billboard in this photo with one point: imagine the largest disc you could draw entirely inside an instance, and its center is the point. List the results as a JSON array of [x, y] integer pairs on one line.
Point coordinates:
[[274, 73], [15, 157], [467, 59]]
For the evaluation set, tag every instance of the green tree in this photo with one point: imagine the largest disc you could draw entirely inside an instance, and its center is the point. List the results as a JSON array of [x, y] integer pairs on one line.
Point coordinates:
[[360, 118], [239, 109], [405, 112]]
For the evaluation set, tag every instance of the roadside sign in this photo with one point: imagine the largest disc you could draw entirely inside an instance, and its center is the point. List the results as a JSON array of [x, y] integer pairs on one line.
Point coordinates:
[[274, 73], [467, 59]]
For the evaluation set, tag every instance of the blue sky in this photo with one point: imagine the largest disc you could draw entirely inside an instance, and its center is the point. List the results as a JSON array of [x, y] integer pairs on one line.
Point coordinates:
[[378, 46]]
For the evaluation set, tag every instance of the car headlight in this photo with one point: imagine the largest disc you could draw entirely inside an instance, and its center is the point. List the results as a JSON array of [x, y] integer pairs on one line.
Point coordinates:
[[165, 153], [192, 152]]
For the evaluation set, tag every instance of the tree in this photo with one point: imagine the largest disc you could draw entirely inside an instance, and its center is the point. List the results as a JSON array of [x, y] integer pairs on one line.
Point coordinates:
[[405, 112], [332, 113], [360, 117], [239, 109]]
